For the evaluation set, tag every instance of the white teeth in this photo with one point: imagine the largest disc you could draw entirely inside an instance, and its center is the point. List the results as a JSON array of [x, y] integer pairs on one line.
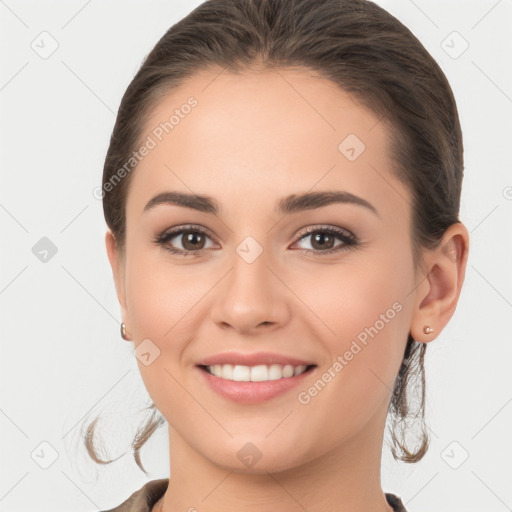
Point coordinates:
[[299, 369], [288, 371], [257, 373], [241, 373], [275, 372]]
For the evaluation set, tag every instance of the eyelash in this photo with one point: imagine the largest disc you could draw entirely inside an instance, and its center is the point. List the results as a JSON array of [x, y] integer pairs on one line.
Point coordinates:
[[348, 239]]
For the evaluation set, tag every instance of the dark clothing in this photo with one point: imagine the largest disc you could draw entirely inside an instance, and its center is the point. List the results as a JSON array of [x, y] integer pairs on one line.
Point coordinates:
[[146, 497]]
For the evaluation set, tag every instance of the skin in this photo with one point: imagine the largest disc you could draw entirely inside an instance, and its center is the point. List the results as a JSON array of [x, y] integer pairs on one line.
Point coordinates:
[[251, 140]]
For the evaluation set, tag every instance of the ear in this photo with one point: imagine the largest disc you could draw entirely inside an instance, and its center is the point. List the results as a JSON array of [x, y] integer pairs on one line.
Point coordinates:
[[438, 293], [117, 263]]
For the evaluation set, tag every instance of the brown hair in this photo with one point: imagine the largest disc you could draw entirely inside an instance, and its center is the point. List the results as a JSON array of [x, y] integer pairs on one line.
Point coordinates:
[[365, 51]]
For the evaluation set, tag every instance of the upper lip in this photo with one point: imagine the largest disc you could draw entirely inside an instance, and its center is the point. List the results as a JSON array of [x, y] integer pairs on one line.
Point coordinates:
[[252, 359]]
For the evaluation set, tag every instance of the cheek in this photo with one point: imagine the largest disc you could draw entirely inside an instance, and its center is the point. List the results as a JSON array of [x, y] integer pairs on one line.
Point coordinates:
[[160, 304], [160, 294], [365, 312], [352, 295], [369, 311]]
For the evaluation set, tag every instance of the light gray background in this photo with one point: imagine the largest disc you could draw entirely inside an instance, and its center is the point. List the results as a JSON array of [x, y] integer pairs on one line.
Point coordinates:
[[62, 359]]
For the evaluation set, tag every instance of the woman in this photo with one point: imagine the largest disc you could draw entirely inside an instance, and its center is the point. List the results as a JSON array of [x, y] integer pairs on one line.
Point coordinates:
[[282, 192]]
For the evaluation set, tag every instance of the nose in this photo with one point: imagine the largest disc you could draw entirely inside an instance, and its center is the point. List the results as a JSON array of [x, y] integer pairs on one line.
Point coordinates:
[[250, 298]]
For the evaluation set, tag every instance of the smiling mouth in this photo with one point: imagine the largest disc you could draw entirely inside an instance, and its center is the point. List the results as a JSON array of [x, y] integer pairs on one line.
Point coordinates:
[[257, 373]]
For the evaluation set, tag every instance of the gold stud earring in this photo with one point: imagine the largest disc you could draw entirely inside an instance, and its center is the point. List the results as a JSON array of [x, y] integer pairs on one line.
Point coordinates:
[[123, 331], [427, 329]]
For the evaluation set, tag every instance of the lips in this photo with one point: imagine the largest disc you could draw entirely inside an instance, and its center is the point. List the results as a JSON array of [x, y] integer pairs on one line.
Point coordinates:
[[252, 392], [252, 378]]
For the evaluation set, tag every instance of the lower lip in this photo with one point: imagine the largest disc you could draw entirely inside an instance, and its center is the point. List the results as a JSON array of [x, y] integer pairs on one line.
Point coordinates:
[[247, 392]]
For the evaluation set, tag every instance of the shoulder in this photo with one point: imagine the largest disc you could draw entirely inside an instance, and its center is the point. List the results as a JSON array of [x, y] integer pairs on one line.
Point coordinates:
[[395, 502], [144, 498]]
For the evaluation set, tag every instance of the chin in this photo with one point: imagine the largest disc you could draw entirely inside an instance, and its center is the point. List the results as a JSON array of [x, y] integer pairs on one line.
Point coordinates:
[[257, 456]]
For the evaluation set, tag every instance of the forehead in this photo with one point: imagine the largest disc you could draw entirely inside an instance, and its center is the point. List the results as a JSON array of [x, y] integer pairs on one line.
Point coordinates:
[[271, 132]]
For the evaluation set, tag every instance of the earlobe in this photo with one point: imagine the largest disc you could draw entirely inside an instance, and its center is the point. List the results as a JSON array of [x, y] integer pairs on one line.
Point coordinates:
[[438, 295]]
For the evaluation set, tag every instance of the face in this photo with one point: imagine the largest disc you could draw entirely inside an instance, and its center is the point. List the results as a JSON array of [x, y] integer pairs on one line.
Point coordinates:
[[325, 281]]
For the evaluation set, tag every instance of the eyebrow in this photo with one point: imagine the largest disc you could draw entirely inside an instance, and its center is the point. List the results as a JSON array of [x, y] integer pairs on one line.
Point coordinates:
[[288, 205]]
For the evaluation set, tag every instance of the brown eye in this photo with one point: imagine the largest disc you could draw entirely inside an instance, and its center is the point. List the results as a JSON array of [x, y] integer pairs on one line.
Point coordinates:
[[324, 240], [321, 240], [184, 240], [192, 240]]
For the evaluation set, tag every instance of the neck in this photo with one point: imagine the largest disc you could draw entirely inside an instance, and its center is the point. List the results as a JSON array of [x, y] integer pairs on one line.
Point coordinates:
[[346, 478]]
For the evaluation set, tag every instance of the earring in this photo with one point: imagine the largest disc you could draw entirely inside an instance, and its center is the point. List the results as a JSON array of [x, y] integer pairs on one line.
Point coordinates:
[[427, 329], [123, 331]]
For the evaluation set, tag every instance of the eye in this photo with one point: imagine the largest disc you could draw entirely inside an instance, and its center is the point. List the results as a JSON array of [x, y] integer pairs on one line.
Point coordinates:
[[323, 239], [193, 240]]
